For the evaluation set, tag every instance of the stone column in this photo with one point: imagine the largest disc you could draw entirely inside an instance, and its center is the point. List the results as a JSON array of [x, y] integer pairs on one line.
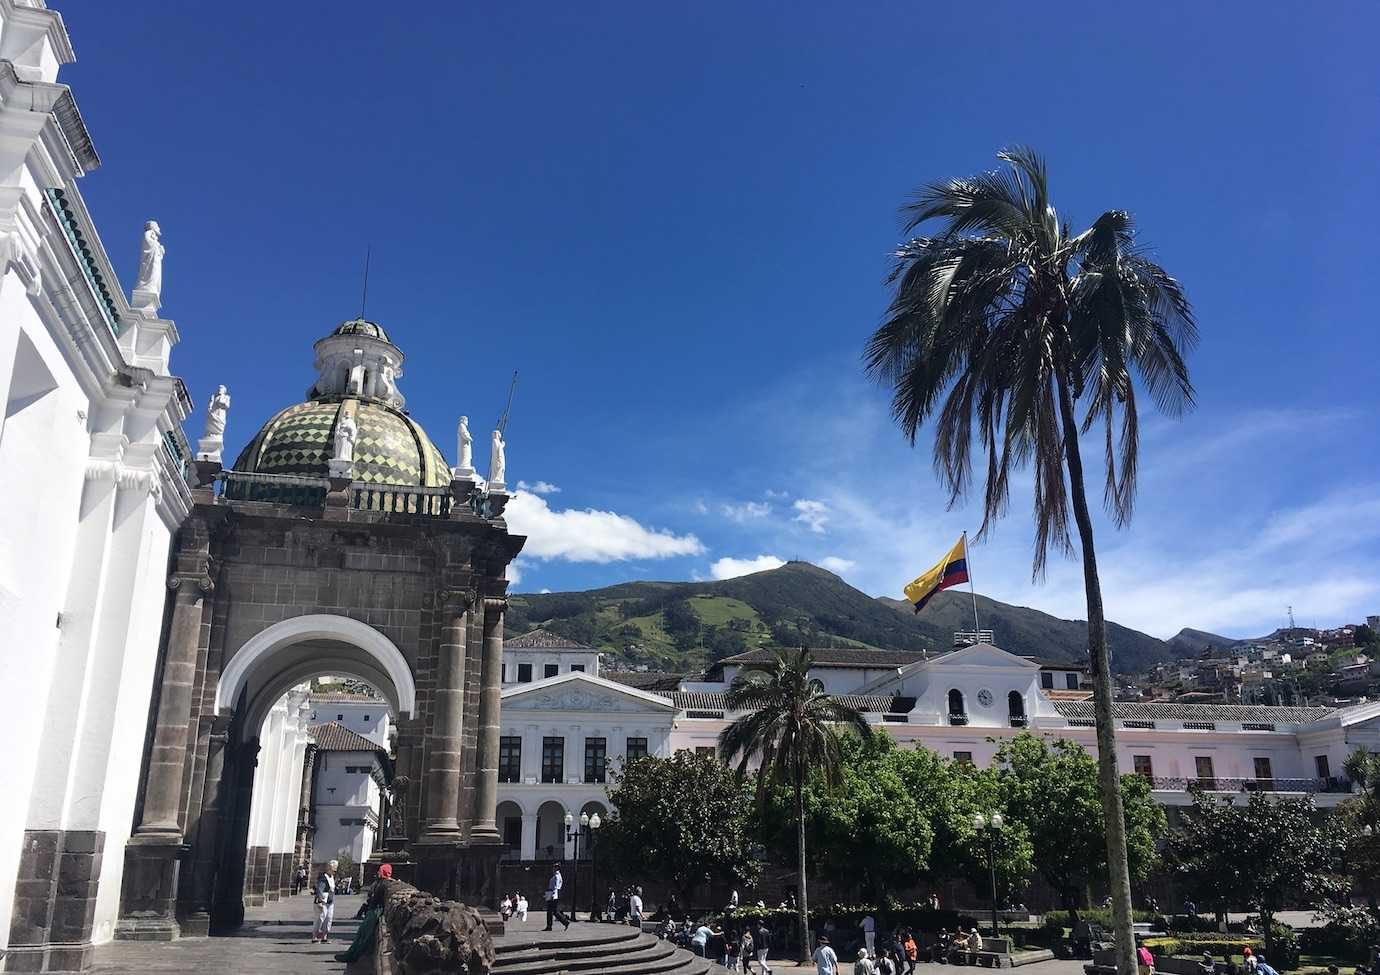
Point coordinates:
[[305, 819], [442, 824], [485, 828], [148, 893], [528, 849], [163, 784], [196, 912]]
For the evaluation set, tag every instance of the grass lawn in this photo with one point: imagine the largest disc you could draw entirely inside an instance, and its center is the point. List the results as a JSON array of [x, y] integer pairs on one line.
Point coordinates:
[[1318, 963]]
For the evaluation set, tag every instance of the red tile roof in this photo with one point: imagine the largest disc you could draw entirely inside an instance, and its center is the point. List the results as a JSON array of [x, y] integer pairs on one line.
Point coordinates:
[[335, 737]]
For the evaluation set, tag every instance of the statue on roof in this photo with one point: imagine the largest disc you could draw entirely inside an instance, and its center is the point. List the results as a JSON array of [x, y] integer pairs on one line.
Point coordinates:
[[464, 449], [213, 433], [148, 286], [346, 431], [497, 462]]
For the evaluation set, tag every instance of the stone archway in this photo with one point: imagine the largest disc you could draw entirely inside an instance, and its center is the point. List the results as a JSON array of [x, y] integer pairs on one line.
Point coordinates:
[[551, 843], [253, 861]]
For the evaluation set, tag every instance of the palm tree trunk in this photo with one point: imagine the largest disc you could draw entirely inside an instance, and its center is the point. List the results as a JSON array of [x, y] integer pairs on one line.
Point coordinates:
[[804, 931], [1108, 776]]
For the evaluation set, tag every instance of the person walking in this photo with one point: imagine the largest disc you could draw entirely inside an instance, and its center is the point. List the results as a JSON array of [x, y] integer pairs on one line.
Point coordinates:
[[762, 944], [826, 962], [324, 899], [553, 899], [521, 909], [912, 954], [635, 908], [864, 966], [747, 947], [869, 929]]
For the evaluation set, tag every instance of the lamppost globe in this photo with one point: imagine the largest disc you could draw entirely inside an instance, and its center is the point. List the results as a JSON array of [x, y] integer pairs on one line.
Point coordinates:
[[997, 821], [979, 821], [569, 820], [584, 820], [595, 822]]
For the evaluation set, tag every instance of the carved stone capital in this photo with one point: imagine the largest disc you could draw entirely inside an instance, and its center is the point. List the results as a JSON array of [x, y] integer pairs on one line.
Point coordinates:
[[201, 578], [496, 604], [456, 601]]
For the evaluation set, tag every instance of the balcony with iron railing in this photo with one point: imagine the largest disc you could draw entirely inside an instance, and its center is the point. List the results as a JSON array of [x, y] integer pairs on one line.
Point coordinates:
[[1312, 786]]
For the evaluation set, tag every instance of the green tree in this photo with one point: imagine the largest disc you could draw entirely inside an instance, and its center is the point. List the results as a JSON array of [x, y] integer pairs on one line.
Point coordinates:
[[1361, 818], [1002, 325], [870, 827], [1052, 789], [790, 729], [952, 793], [685, 815], [1266, 853]]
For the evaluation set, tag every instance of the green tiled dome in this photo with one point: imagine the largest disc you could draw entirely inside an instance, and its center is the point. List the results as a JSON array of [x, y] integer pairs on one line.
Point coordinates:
[[362, 326], [391, 448]]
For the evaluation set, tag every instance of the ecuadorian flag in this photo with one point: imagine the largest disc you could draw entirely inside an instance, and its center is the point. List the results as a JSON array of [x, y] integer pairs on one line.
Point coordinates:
[[951, 570]]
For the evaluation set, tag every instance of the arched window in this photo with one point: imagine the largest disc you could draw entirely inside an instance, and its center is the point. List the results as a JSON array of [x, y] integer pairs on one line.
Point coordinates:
[[958, 714], [1015, 707]]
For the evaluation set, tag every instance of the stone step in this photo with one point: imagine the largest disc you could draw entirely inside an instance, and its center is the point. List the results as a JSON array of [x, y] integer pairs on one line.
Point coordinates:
[[589, 949]]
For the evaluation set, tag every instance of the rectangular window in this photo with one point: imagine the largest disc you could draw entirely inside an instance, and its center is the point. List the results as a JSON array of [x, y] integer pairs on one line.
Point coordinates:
[[596, 759], [1323, 768], [1202, 767], [524, 674], [550, 670], [965, 758], [510, 758], [1071, 681], [577, 668], [1047, 680], [553, 760], [1143, 766], [1265, 776], [705, 750], [637, 748]]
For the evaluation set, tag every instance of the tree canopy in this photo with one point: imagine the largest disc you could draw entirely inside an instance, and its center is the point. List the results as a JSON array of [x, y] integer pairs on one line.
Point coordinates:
[[686, 816]]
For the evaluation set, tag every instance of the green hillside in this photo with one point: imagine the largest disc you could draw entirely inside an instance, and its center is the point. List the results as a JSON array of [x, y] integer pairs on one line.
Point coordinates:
[[681, 626]]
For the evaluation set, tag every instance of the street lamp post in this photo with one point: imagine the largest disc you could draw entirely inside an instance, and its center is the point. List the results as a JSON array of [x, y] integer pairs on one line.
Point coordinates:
[[594, 823], [989, 826], [585, 831]]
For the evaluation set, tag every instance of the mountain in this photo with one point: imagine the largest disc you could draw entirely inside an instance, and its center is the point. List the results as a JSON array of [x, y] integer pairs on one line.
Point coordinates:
[[685, 625], [1191, 643]]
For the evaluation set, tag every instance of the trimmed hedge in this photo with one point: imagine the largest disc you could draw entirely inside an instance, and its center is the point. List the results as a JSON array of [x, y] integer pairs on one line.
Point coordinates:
[[1187, 944], [1099, 915]]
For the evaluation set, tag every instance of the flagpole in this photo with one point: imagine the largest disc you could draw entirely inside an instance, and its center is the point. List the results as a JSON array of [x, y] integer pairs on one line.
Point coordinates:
[[968, 559]]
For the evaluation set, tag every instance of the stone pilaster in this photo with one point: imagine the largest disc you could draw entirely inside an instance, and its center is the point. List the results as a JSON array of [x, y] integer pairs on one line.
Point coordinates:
[[447, 727], [153, 854], [485, 829], [198, 897]]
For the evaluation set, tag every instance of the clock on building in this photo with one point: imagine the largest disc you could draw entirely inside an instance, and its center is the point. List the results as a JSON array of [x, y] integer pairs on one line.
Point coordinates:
[[985, 698]]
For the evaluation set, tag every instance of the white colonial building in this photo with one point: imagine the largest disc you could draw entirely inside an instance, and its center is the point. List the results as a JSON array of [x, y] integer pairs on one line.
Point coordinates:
[[351, 772], [562, 730], [91, 489]]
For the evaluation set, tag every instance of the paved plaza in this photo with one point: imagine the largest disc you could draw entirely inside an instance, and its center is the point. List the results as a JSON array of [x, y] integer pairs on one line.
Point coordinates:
[[275, 940]]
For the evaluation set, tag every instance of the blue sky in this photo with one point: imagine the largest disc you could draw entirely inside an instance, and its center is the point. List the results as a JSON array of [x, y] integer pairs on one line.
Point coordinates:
[[674, 220]]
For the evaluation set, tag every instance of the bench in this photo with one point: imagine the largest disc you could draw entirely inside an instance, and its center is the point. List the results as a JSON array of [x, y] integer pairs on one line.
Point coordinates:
[[995, 953]]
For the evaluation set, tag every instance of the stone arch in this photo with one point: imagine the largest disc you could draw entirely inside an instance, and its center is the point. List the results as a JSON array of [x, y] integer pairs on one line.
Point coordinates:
[[551, 841], [361, 648]]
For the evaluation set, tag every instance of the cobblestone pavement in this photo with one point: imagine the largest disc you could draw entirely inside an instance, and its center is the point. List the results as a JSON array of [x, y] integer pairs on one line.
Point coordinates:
[[275, 940]]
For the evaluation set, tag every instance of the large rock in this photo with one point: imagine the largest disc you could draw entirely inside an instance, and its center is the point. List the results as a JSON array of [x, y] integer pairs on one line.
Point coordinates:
[[421, 934]]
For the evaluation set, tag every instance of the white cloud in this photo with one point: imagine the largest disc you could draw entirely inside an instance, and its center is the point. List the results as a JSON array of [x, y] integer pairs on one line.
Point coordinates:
[[590, 535], [699, 507], [545, 591], [777, 495], [812, 513], [745, 511], [727, 568], [514, 573], [836, 565], [541, 487]]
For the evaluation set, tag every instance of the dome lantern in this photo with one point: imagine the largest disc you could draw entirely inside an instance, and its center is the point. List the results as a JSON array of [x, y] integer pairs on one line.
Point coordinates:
[[359, 360]]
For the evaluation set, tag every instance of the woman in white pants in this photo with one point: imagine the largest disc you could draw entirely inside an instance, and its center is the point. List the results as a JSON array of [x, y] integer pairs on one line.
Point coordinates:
[[325, 903]]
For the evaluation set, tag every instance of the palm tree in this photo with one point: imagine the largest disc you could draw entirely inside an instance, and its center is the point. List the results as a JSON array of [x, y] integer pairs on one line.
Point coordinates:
[[790, 728], [1363, 768], [1002, 326]]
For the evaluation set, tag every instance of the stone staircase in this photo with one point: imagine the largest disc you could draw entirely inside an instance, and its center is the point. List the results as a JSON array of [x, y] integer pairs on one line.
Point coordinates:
[[594, 949]]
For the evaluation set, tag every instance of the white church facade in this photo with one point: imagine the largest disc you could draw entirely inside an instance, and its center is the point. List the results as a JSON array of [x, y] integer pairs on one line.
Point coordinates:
[[92, 488], [564, 728]]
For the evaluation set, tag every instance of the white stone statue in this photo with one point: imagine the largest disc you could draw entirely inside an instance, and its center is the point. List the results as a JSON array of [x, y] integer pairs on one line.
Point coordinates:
[[497, 463], [346, 430], [464, 449], [213, 434], [215, 414], [388, 388], [356, 383], [148, 286]]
